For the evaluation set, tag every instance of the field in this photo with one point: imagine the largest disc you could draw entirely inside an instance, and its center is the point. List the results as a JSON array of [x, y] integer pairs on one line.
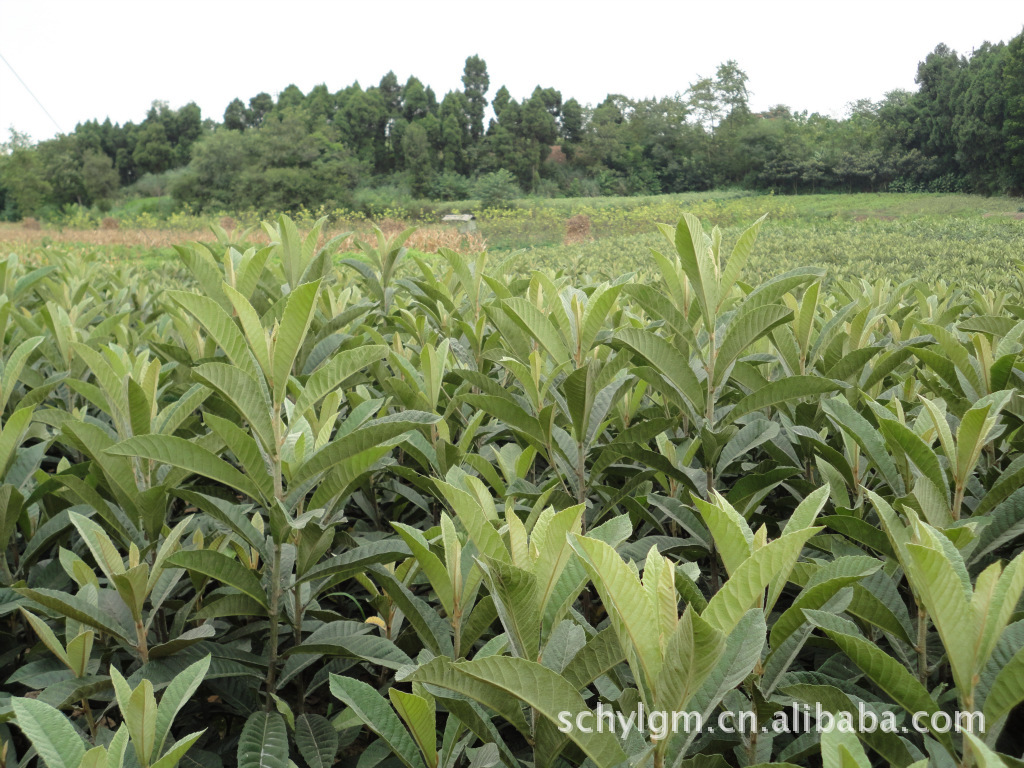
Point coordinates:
[[961, 239], [339, 502]]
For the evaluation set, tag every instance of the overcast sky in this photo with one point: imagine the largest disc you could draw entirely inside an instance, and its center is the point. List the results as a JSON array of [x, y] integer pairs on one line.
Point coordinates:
[[93, 59]]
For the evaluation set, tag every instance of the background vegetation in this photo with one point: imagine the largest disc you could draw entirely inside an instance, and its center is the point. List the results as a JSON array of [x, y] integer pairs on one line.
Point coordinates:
[[393, 143]]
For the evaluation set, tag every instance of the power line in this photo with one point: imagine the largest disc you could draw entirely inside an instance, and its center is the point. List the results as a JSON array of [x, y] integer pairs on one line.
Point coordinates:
[[5, 61]]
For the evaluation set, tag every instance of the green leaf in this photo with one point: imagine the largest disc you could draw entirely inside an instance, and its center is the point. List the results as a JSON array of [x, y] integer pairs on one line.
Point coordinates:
[[842, 750], [331, 374], [982, 753], [174, 755], [433, 631], [538, 325], [867, 437], [747, 327], [922, 456], [733, 538], [420, 716], [11, 369], [740, 254], [745, 589], [78, 609], [885, 671], [629, 608], [668, 361], [220, 326], [11, 435], [1007, 689], [175, 696], [298, 314], [189, 456], [948, 603], [370, 707], [1009, 481], [695, 260], [244, 393], [515, 596], [263, 742], [223, 568], [693, 651], [364, 438], [547, 693], [430, 563], [781, 391], [357, 560], [336, 638], [316, 739], [54, 738]]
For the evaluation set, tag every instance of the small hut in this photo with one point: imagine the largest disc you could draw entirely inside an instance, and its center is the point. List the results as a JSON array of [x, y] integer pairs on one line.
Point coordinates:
[[466, 222]]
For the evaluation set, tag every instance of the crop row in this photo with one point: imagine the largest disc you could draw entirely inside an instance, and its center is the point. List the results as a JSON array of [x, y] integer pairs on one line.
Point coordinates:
[[392, 511]]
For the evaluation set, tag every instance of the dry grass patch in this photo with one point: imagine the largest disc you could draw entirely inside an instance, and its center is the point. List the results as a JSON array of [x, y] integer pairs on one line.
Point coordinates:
[[577, 230]]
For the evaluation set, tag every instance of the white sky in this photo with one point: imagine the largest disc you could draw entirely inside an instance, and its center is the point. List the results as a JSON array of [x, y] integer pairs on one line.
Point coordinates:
[[97, 58]]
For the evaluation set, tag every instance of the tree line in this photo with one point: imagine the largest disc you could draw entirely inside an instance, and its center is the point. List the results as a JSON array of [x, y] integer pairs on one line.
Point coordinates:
[[961, 130]]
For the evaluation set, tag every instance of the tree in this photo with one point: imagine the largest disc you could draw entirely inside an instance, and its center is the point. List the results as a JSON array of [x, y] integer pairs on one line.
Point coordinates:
[[320, 105], [419, 159], [259, 107], [474, 84], [501, 100], [455, 132], [936, 77], [703, 100], [17, 140], [99, 178], [364, 120], [496, 190], [731, 89], [291, 97], [278, 166], [61, 159], [183, 127], [153, 151], [391, 94], [978, 118], [21, 176], [572, 121], [414, 100], [236, 116], [1013, 127]]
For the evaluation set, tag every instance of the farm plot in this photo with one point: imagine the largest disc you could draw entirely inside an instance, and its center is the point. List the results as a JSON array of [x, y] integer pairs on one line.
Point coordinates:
[[390, 509]]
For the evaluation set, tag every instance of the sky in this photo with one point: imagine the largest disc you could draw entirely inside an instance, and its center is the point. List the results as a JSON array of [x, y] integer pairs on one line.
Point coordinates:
[[85, 59]]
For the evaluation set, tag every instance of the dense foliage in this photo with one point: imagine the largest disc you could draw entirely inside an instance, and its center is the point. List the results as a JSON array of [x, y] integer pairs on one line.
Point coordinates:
[[412, 514], [962, 130]]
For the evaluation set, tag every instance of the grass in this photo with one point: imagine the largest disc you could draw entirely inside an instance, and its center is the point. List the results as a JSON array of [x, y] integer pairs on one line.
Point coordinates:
[[972, 239]]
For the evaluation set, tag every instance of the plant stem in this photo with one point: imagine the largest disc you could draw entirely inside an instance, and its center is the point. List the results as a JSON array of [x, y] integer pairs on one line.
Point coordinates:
[[89, 719], [958, 500], [922, 644], [275, 605], [300, 683], [140, 641]]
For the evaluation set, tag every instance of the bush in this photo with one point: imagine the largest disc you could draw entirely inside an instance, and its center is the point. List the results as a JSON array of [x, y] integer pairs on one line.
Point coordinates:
[[497, 190], [450, 186]]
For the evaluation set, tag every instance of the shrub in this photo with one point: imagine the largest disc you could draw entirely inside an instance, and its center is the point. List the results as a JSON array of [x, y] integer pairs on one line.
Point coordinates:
[[450, 186], [497, 189]]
